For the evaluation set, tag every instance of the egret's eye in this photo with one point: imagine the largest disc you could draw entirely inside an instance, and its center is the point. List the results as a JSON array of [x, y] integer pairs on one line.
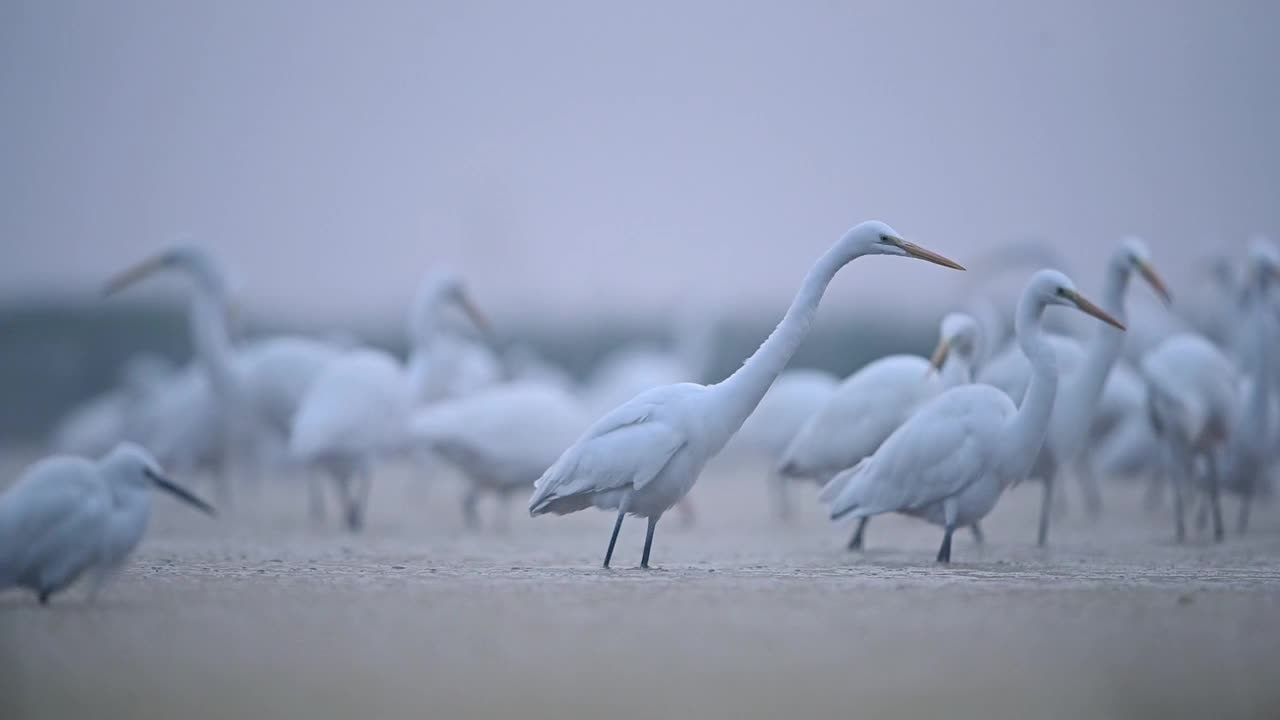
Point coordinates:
[[1062, 292], [884, 240]]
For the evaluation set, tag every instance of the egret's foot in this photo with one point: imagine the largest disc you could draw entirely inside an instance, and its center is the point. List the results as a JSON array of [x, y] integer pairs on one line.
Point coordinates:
[[355, 519]]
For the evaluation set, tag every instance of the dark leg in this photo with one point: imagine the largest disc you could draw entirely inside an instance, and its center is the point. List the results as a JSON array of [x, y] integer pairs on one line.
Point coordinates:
[[44, 598], [781, 496], [1175, 478], [855, 542], [648, 541], [1089, 486], [1242, 520], [944, 552], [1046, 507], [617, 525], [977, 534], [470, 517], [1154, 496], [949, 510], [1215, 504]]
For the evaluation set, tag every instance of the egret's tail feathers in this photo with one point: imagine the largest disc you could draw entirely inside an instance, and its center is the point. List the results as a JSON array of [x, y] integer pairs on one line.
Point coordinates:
[[842, 492], [838, 482]]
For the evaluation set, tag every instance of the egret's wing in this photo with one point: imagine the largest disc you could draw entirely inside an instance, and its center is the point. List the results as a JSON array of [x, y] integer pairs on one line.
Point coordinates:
[[630, 455], [36, 512], [943, 448]]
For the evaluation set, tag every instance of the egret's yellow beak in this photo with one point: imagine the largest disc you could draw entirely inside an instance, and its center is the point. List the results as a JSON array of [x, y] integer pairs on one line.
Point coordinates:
[[134, 274], [1148, 273], [940, 354], [1089, 308], [916, 251], [473, 312]]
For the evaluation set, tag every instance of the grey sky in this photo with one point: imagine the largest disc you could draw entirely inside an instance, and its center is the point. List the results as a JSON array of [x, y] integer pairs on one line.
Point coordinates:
[[623, 154]]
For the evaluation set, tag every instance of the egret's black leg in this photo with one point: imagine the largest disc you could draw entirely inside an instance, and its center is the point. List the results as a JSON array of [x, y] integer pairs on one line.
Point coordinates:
[[470, 502], [648, 541], [855, 542], [1242, 520], [1046, 506], [977, 533], [617, 525], [44, 597], [1215, 504], [944, 552]]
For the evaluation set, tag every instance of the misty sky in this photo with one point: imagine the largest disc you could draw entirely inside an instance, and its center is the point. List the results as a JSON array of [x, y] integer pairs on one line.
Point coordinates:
[[624, 155]]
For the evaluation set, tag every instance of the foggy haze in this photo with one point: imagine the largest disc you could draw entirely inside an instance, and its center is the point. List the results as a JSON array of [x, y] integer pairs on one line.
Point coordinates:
[[574, 155]]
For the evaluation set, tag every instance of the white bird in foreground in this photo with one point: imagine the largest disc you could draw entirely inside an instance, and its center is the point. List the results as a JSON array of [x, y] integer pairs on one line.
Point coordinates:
[[642, 457], [501, 438], [67, 515], [951, 461], [871, 403]]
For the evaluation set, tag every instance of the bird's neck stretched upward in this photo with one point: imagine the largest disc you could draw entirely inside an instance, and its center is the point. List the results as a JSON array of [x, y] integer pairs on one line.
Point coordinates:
[[736, 397], [1083, 387], [211, 339], [1025, 431]]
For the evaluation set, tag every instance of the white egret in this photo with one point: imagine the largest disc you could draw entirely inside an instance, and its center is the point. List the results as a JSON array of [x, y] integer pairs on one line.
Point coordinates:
[[1084, 371], [67, 515], [949, 463], [500, 438], [642, 457], [102, 422], [253, 388], [871, 403], [358, 409]]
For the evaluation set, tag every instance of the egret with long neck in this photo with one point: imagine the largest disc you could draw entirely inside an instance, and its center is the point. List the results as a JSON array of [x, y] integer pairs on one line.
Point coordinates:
[[642, 457]]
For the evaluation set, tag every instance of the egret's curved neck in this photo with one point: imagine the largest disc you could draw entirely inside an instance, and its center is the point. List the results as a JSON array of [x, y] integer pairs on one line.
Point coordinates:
[[211, 339], [1081, 389], [957, 370], [736, 396], [1025, 431]]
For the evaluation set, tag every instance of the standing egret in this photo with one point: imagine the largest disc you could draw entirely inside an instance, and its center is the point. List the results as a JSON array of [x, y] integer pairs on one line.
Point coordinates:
[[643, 456], [1191, 390], [500, 438], [1082, 385], [358, 409], [66, 515], [951, 461], [256, 387], [870, 404]]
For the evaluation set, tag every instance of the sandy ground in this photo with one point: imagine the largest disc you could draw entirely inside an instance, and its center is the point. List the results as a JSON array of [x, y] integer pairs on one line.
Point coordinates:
[[261, 614]]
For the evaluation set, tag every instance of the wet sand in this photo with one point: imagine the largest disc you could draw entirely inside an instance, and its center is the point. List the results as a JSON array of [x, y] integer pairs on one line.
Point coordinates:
[[261, 614]]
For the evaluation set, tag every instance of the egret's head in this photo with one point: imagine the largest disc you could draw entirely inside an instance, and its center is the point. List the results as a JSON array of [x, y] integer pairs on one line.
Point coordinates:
[[130, 467], [442, 291], [195, 261], [957, 335], [1051, 287], [1133, 256], [876, 238], [1264, 260]]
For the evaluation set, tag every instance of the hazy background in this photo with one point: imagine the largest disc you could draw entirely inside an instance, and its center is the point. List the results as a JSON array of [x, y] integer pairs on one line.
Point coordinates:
[[588, 160]]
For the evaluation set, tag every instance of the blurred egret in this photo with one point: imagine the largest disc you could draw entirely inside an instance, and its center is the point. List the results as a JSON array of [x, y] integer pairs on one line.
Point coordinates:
[[500, 438], [642, 457], [950, 462], [871, 403], [1082, 380], [66, 515]]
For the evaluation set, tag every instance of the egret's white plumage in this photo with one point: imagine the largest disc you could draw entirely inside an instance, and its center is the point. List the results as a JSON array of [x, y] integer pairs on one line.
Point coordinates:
[[66, 515], [952, 459], [501, 438], [357, 410], [643, 456]]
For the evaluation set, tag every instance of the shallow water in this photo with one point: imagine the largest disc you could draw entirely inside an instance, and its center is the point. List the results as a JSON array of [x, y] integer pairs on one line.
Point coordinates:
[[259, 613]]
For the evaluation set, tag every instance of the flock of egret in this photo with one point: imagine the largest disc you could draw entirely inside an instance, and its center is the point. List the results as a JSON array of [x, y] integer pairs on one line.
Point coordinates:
[[936, 438]]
